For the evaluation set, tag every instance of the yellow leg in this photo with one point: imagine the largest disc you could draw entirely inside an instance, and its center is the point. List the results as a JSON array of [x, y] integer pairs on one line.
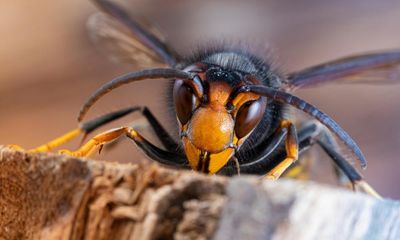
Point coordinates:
[[99, 140], [300, 170], [362, 186], [52, 144], [292, 151], [85, 128], [297, 172], [58, 141], [15, 147]]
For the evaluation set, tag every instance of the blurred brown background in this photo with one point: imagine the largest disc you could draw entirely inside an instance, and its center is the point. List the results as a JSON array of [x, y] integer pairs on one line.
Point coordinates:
[[48, 65]]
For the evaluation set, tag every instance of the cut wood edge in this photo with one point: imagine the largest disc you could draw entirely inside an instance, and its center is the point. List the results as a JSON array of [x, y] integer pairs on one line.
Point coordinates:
[[50, 196]]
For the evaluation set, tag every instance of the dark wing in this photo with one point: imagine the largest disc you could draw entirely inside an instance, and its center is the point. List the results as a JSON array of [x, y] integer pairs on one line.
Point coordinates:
[[125, 40], [373, 68]]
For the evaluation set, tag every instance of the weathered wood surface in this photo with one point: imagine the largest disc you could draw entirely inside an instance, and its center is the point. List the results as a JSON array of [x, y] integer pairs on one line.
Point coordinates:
[[48, 196]]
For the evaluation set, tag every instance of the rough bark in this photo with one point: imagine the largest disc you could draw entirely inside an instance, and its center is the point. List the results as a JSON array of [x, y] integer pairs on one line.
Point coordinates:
[[49, 196]]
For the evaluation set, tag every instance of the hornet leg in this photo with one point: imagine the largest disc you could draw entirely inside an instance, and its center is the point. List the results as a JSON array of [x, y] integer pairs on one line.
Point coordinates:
[[155, 153]]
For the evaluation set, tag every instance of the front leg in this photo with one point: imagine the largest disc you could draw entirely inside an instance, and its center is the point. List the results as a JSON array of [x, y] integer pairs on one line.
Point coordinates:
[[84, 129], [165, 157], [292, 150]]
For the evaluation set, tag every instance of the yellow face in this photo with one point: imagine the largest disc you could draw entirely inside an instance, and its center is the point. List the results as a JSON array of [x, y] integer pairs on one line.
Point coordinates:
[[214, 129]]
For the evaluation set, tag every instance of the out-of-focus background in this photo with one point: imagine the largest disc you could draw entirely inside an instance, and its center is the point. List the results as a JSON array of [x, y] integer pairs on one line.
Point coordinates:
[[48, 65]]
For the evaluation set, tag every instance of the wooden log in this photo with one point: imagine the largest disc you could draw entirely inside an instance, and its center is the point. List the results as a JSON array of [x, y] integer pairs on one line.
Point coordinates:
[[50, 196]]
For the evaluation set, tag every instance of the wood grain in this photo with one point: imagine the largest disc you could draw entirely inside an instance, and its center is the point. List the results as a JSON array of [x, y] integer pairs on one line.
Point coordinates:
[[50, 196]]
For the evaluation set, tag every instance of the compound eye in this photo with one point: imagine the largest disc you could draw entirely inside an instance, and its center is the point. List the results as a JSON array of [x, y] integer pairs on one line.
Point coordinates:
[[184, 100], [248, 116]]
